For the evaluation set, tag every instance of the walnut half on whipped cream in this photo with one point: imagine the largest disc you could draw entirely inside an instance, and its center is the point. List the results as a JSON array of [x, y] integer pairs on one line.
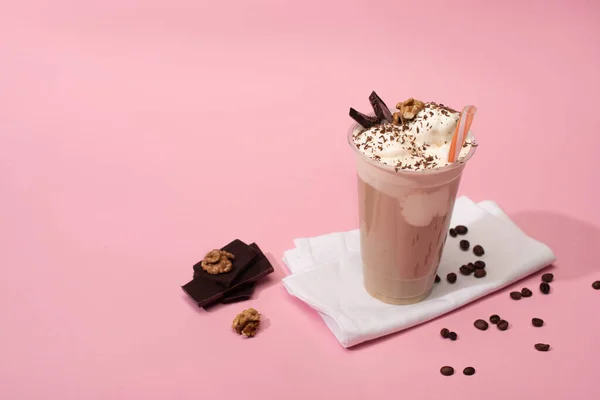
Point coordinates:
[[408, 110]]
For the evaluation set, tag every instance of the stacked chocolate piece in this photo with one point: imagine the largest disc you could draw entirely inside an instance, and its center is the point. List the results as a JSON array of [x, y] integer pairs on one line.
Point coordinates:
[[228, 275]]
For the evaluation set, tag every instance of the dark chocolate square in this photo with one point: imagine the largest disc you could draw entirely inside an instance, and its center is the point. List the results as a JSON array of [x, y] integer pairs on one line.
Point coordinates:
[[244, 255], [205, 292], [259, 268], [241, 293]]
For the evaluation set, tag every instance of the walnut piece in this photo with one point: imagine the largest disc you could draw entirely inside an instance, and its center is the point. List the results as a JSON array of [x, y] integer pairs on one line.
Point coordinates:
[[217, 262], [250, 329], [213, 256], [228, 254], [247, 322], [409, 108]]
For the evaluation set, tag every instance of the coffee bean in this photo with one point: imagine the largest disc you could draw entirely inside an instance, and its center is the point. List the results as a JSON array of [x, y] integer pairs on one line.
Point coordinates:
[[480, 273], [544, 288], [452, 336], [542, 347], [502, 325], [469, 371], [526, 292], [437, 278], [596, 285], [548, 277], [444, 332], [461, 229], [537, 322], [479, 264], [464, 245], [451, 277], [515, 295], [481, 324], [494, 319], [478, 251], [452, 232], [466, 270], [447, 371]]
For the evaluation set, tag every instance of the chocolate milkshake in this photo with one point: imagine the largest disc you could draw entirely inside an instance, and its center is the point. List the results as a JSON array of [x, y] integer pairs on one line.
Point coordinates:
[[406, 193]]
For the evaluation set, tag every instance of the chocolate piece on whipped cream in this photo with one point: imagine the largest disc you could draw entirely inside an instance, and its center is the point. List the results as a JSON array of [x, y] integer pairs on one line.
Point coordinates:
[[366, 121], [382, 112]]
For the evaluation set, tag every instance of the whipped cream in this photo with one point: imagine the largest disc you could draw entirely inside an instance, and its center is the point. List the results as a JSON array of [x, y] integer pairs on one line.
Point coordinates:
[[417, 144]]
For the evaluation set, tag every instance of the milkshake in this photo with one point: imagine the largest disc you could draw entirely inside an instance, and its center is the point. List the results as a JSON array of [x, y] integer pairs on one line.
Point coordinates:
[[407, 186]]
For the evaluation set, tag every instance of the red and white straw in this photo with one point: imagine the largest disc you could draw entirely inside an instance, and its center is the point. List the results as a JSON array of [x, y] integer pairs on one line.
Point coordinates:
[[461, 132]]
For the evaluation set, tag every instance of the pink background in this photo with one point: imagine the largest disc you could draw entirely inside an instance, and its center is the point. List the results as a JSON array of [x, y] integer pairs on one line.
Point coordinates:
[[136, 135]]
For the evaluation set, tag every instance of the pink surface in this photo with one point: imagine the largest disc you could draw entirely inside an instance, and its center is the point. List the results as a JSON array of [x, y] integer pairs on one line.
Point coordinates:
[[134, 136]]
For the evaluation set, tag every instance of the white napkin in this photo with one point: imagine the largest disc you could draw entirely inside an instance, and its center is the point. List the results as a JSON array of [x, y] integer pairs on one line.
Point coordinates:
[[327, 274]]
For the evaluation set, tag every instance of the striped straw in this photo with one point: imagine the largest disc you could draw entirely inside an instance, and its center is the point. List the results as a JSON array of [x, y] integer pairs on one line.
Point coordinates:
[[461, 131]]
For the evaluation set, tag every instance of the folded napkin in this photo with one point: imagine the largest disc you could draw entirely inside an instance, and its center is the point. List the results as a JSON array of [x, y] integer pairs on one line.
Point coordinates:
[[327, 274]]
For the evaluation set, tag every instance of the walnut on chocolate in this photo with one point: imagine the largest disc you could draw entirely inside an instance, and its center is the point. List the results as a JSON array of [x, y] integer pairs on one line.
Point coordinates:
[[409, 108], [212, 256], [217, 262], [247, 322]]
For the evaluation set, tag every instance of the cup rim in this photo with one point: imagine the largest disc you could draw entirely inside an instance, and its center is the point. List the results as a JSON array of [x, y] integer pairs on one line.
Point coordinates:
[[449, 167]]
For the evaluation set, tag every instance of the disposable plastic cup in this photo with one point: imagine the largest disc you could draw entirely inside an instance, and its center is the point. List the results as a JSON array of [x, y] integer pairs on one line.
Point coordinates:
[[404, 219]]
